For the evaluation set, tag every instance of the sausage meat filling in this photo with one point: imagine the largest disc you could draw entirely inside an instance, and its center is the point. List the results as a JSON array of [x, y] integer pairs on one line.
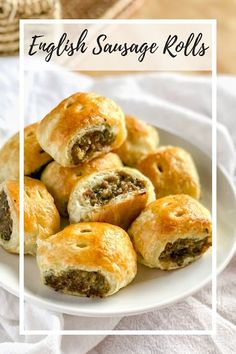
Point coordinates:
[[91, 142], [183, 248], [90, 284], [113, 186], [6, 222]]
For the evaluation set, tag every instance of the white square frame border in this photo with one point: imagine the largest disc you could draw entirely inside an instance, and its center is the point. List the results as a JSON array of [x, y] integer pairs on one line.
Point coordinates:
[[213, 330]]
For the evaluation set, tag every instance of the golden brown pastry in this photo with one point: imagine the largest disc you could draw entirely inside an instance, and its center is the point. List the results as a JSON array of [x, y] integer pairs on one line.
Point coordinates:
[[87, 259], [171, 232], [82, 127], [142, 139], [172, 171], [60, 180], [41, 218], [35, 158], [9, 159], [115, 196]]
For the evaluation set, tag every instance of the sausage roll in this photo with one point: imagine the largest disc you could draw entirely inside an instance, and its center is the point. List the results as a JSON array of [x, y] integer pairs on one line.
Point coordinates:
[[87, 259], [171, 232], [60, 180], [114, 196], [82, 127], [35, 158], [142, 138], [41, 218], [172, 171]]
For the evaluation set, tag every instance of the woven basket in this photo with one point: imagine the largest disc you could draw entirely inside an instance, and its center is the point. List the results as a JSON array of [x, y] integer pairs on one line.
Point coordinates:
[[13, 10]]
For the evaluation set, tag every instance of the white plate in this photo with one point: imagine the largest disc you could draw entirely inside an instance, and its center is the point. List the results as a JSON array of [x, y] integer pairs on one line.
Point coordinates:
[[151, 288]]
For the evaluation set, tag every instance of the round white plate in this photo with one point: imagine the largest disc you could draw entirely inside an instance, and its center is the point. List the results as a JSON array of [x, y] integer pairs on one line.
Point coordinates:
[[151, 288]]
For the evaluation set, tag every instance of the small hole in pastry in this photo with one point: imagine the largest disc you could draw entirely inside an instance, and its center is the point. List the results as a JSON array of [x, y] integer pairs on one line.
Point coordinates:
[[159, 167], [207, 230], [85, 230], [78, 106], [179, 213], [41, 151], [81, 245], [166, 204], [69, 104], [78, 174], [40, 194], [29, 134], [27, 193]]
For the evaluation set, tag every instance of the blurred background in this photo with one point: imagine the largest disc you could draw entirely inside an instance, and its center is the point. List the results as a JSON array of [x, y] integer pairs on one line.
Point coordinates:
[[222, 10]]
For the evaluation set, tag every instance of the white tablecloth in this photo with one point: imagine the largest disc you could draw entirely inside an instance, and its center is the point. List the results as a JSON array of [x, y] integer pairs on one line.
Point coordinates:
[[171, 96]]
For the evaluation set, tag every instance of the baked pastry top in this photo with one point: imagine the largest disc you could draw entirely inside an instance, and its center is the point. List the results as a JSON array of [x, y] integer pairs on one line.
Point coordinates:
[[60, 180], [82, 127], [142, 139], [115, 196], [34, 157], [171, 232], [172, 171], [41, 218], [87, 259]]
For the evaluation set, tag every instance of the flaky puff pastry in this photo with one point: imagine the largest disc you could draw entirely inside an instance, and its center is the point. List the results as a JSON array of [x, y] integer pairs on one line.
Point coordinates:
[[87, 259], [34, 157], [115, 196], [172, 171], [9, 159], [41, 218], [60, 180], [142, 139], [171, 232], [82, 127]]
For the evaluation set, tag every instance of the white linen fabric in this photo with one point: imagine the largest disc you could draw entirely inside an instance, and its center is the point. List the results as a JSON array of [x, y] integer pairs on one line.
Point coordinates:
[[169, 97]]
